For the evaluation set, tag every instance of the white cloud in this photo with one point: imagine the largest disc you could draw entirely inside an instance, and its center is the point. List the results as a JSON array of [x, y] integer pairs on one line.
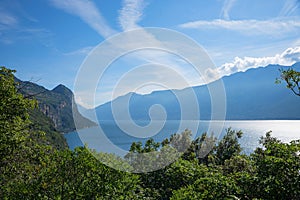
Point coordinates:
[[288, 57], [249, 27], [130, 14], [292, 54], [88, 12], [227, 6]]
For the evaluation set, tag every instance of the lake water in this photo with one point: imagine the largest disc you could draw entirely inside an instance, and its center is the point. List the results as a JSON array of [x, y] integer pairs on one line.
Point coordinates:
[[117, 138]]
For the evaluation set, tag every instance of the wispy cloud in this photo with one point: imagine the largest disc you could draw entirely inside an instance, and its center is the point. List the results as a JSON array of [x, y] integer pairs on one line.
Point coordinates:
[[88, 12], [131, 13], [79, 52], [150, 51], [288, 57], [289, 7], [249, 27], [227, 6], [12, 30], [7, 20], [14, 27]]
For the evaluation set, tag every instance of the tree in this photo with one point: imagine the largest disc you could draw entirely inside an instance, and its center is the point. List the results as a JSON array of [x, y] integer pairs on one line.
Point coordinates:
[[278, 167], [154, 155], [228, 146], [213, 185], [14, 117], [20, 151], [15, 136], [181, 141], [79, 175], [202, 148], [292, 79]]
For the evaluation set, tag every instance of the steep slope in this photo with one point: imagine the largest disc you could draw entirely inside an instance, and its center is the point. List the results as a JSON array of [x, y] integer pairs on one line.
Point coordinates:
[[55, 104], [41, 122], [249, 95]]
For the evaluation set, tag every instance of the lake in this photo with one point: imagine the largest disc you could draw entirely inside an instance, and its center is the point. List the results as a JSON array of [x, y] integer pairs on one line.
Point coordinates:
[[117, 138]]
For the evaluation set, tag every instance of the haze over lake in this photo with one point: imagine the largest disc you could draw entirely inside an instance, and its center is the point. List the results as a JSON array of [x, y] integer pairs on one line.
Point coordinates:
[[285, 130]]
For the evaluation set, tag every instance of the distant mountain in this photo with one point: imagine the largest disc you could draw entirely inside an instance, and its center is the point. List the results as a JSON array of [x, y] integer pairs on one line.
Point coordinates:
[[55, 104], [250, 95]]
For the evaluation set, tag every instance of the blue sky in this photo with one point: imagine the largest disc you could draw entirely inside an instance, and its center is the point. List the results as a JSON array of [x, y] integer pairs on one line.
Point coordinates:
[[47, 41]]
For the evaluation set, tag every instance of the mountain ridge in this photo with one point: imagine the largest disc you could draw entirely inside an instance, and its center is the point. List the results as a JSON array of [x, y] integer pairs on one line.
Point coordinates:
[[57, 104], [251, 95]]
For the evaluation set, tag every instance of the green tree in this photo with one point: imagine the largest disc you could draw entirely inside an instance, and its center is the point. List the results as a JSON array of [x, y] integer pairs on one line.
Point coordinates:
[[14, 117], [202, 148], [291, 78], [20, 152], [143, 158], [278, 167], [242, 170], [161, 183], [181, 141], [79, 175], [154, 155], [228, 146], [15, 137], [213, 186]]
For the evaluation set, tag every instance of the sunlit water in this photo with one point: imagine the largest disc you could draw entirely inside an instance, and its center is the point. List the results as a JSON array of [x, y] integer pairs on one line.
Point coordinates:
[[114, 137]]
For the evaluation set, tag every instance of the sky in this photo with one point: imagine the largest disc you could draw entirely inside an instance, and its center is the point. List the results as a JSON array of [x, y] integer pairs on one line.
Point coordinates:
[[48, 41]]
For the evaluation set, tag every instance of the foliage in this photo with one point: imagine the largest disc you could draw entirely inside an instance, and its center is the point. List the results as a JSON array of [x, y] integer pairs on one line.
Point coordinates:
[[212, 186], [14, 117], [202, 149], [291, 78], [41, 122], [78, 175], [228, 146], [278, 169], [154, 155]]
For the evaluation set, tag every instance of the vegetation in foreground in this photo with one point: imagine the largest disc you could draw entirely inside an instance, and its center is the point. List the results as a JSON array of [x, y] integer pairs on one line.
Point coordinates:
[[30, 168]]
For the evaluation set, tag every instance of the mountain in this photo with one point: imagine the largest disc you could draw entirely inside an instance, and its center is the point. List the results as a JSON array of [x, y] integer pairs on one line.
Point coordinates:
[[250, 95], [56, 104], [40, 122]]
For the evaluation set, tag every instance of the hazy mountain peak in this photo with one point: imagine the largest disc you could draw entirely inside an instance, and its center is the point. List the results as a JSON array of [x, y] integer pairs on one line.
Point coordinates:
[[250, 95]]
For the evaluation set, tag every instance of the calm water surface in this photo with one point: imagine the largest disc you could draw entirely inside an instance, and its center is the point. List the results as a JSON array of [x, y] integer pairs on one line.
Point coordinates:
[[113, 137]]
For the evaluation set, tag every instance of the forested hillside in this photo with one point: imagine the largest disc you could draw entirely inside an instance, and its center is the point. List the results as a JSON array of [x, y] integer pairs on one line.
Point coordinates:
[[55, 104]]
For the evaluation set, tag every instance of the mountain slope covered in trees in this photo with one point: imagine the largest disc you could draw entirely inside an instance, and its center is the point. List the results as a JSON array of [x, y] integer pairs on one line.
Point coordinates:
[[55, 104]]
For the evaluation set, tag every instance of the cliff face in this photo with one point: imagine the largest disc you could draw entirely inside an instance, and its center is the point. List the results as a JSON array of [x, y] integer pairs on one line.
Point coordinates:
[[55, 104], [55, 113]]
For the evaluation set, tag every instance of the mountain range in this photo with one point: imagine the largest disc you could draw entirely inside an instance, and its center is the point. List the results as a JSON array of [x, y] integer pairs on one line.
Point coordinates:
[[250, 95]]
